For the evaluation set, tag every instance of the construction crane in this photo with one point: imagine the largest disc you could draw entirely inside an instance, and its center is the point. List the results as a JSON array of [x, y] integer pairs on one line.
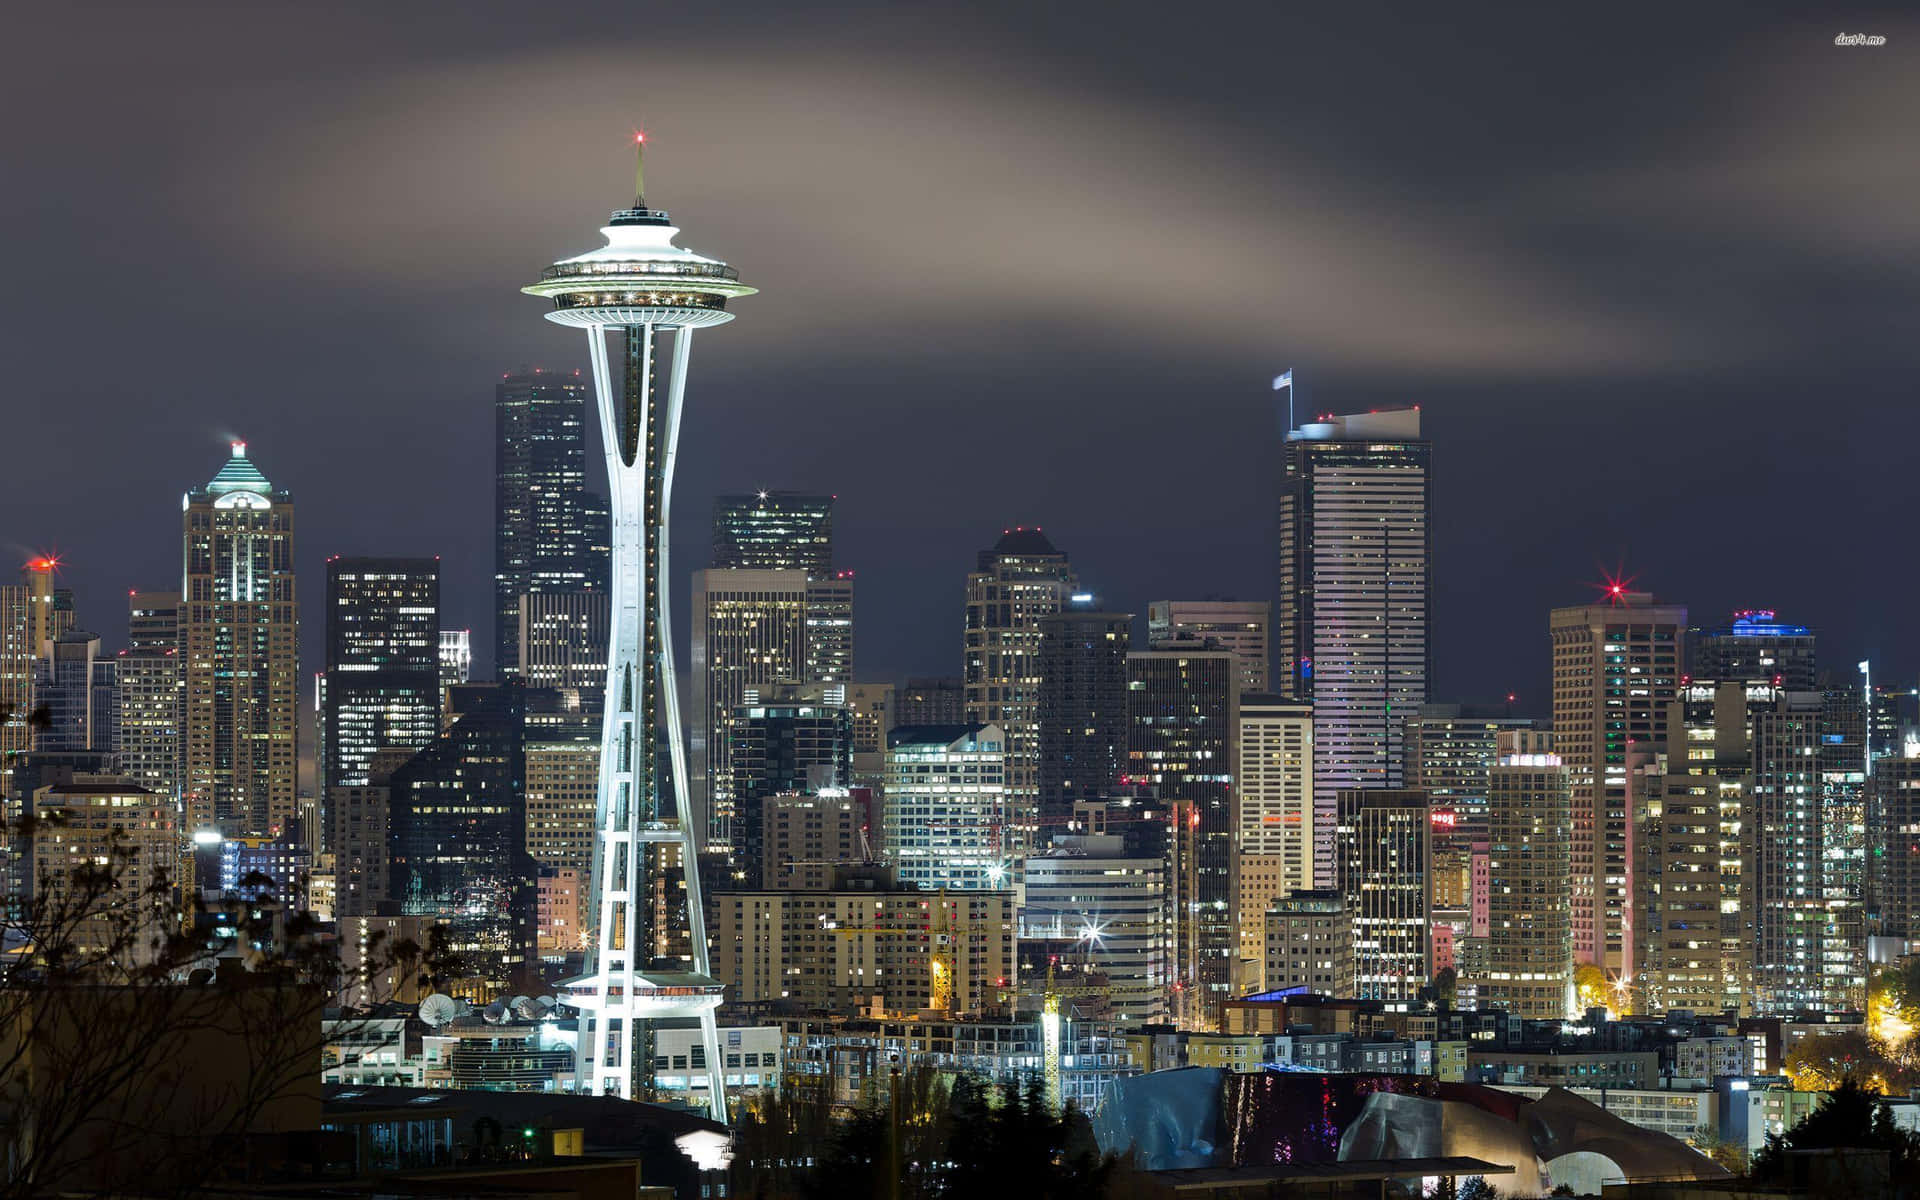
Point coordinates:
[[1050, 1006], [940, 962]]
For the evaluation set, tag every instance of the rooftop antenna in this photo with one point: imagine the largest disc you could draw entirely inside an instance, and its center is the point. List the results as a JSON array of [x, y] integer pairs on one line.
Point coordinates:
[[1285, 380], [639, 169]]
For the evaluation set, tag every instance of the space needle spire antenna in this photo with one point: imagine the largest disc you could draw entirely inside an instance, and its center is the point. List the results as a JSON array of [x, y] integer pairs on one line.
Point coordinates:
[[639, 168], [639, 299]]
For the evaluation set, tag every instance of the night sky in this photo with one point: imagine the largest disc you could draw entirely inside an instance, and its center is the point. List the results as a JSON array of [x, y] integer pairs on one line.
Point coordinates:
[[1654, 279]]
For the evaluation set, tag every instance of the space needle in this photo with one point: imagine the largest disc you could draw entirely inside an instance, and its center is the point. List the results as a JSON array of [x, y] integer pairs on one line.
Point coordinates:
[[653, 295]]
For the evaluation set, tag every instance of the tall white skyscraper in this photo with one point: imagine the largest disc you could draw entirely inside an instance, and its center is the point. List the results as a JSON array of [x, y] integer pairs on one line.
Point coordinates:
[[1356, 546]]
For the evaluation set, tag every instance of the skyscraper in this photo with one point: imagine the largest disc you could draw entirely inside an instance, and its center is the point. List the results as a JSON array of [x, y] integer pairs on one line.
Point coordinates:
[[872, 706], [945, 818], [1755, 644], [749, 631], [1085, 889], [786, 738], [926, 701], [1694, 852], [28, 622], [1309, 943], [545, 521], [1790, 907], [774, 531], [805, 840], [1844, 734], [1385, 838], [1356, 544], [457, 840], [1022, 579], [1081, 709], [651, 295], [380, 687], [1451, 750], [1242, 626], [240, 638], [1616, 668], [77, 685], [563, 643], [456, 661], [1530, 906], [830, 629], [1893, 880], [1272, 815], [1183, 714], [152, 698], [562, 775]]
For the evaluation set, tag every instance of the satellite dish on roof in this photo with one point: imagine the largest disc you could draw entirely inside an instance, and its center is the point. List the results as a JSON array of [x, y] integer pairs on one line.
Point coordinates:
[[439, 1008], [524, 1007], [495, 1013]]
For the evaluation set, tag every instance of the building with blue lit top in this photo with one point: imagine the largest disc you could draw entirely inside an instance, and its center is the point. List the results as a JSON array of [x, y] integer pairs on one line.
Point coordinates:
[[1756, 644]]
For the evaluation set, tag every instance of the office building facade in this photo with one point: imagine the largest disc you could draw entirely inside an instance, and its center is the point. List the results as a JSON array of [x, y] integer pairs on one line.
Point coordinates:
[[1352, 623], [1755, 644], [774, 531], [1273, 788], [77, 685], [380, 687], [1616, 669], [1308, 944], [1893, 884], [1242, 626], [749, 630], [550, 534], [563, 640], [1081, 709], [1530, 904], [28, 621], [457, 841], [1086, 892], [1183, 716], [786, 738], [946, 807], [908, 952], [1385, 840], [152, 694], [930, 701], [1694, 905], [807, 841], [1022, 579]]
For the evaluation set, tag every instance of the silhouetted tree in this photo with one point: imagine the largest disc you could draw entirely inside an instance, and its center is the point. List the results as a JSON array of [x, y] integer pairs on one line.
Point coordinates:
[[137, 1049], [1849, 1116]]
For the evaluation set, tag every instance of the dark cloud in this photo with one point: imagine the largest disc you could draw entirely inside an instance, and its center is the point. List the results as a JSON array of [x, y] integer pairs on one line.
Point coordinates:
[[1653, 279]]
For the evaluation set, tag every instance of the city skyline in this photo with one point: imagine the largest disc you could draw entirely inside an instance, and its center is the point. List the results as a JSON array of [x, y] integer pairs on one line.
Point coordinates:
[[1276, 600], [1680, 355]]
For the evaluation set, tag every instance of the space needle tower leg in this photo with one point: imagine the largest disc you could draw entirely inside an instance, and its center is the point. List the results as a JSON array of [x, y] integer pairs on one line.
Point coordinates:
[[684, 816]]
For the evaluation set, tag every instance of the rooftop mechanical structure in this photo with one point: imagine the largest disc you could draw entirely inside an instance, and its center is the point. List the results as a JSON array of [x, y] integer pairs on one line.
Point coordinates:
[[651, 295]]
